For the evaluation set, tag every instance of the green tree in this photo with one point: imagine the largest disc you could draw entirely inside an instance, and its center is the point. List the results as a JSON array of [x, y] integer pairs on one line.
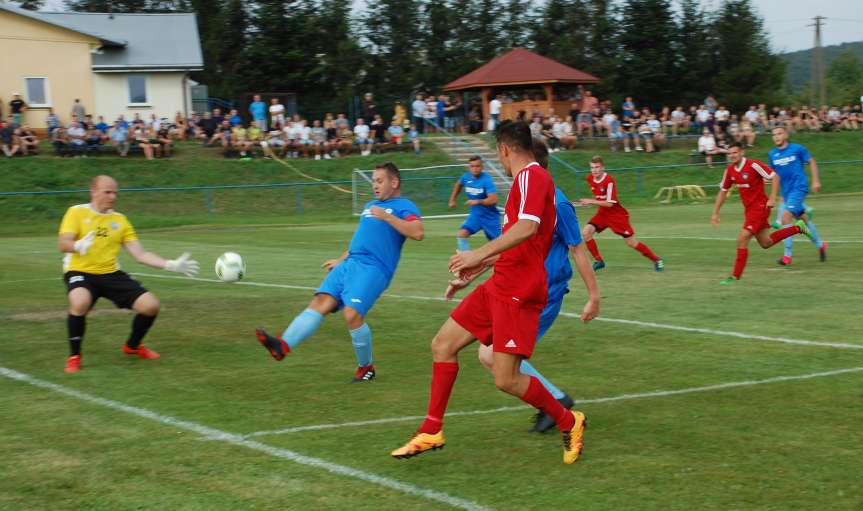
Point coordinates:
[[517, 18], [390, 29], [562, 33], [227, 50], [747, 71], [695, 43], [437, 38], [603, 48], [845, 79]]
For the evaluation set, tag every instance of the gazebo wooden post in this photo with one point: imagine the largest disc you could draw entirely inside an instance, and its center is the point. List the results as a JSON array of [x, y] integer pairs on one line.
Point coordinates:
[[485, 93], [549, 97]]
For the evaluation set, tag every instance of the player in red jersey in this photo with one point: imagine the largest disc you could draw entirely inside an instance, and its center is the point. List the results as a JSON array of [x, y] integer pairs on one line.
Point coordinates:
[[504, 311], [749, 176], [610, 215]]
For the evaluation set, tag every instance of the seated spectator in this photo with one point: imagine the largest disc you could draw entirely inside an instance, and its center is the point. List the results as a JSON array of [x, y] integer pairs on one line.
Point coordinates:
[[223, 135], [708, 147], [27, 140], [193, 128], [234, 118], [255, 135], [163, 137], [291, 137], [645, 133], [629, 129], [137, 121], [346, 140], [615, 131], [679, 121], [318, 137], [362, 138], [52, 121], [275, 145], [102, 127], [93, 138], [722, 116], [378, 129], [303, 139], [395, 132], [77, 136], [119, 136], [733, 131], [154, 123], [414, 137], [218, 117], [665, 119], [564, 133], [8, 139], [181, 125], [141, 137], [207, 128], [536, 129], [60, 141], [332, 135], [850, 119], [752, 116], [277, 112], [658, 135], [240, 140], [342, 122]]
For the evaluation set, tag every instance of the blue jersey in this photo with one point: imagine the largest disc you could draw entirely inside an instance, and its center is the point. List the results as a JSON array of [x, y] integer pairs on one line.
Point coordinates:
[[377, 242], [479, 188], [790, 164], [258, 109], [567, 233]]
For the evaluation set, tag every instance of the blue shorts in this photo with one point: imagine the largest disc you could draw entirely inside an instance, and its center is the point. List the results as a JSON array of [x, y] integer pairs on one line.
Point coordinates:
[[355, 284], [794, 202], [490, 224], [549, 314]]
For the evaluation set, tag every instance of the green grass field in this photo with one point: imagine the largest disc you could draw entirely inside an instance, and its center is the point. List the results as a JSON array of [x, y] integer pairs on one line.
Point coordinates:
[[699, 396]]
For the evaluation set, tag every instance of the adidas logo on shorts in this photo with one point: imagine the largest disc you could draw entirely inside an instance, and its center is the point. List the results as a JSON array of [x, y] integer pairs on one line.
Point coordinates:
[[510, 344]]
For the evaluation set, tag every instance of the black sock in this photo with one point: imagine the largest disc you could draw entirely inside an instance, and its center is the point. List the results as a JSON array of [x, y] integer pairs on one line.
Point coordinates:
[[76, 326], [140, 325]]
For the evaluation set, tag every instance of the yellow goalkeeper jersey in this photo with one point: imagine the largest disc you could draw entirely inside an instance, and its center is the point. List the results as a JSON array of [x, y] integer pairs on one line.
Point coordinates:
[[112, 230]]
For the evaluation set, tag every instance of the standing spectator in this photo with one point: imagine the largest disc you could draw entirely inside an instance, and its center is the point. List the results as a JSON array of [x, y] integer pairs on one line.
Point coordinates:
[[78, 111], [277, 112], [494, 107], [615, 132], [440, 105], [628, 107], [52, 121], [370, 109], [119, 138], [400, 113], [585, 119], [458, 113], [430, 114], [362, 139], [711, 103], [17, 107], [418, 110], [448, 114], [707, 146], [414, 137], [474, 120], [258, 110]]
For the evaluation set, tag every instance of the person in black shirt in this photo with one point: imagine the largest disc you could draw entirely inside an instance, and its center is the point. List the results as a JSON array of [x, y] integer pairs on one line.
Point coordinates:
[[379, 129], [370, 109], [8, 140], [208, 126], [17, 107]]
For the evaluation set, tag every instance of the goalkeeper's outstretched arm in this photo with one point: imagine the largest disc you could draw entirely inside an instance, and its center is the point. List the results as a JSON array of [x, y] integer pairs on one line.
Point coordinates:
[[183, 264]]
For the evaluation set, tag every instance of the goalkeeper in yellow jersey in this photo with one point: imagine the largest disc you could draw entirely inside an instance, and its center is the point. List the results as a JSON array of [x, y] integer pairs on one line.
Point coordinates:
[[91, 236]]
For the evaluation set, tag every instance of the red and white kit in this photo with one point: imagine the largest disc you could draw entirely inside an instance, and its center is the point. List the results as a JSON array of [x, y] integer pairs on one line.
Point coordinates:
[[504, 311], [749, 176], [615, 217]]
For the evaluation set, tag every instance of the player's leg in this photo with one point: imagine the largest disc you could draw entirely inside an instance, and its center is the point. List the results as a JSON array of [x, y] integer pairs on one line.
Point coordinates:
[[632, 242], [146, 307], [491, 227], [587, 233], [470, 226], [742, 256], [363, 286], [361, 340], [784, 219], [80, 302]]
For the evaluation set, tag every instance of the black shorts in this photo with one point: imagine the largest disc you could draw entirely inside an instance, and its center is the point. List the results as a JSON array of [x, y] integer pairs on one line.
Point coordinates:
[[118, 287]]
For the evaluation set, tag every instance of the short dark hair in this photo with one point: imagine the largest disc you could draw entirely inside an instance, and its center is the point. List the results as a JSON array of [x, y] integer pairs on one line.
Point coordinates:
[[391, 169], [475, 157], [516, 135], [540, 152]]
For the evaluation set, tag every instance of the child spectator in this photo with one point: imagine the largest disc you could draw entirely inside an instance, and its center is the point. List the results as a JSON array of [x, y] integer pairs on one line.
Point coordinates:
[[362, 138], [414, 137]]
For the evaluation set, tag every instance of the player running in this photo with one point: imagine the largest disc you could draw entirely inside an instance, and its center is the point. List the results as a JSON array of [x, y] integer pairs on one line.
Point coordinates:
[[788, 161], [610, 215], [91, 236], [567, 240], [358, 278], [482, 199], [749, 176], [504, 311]]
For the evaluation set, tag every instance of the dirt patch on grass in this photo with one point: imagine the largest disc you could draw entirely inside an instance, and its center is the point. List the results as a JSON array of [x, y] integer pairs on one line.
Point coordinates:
[[54, 315]]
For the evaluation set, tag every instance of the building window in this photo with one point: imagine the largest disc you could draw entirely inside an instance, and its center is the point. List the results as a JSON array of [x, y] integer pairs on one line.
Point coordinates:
[[37, 91], [137, 89]]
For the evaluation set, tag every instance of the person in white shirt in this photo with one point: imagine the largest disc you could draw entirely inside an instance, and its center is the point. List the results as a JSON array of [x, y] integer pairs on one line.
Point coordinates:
[[679, 120], [304, 136], [277, 112], [722, 115], [494, 107], [751, 115], [707, 146], [418, 110], [361, 137]]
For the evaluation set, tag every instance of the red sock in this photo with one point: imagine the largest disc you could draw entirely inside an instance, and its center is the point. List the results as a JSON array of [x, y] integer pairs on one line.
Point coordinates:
[[740, 262], [781, 234], [443, 379], [538, 397], [594, 250], [646, 252]]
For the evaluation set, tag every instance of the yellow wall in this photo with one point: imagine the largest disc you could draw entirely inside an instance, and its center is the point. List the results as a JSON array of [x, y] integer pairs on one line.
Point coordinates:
[[31, 48], [166, 95]]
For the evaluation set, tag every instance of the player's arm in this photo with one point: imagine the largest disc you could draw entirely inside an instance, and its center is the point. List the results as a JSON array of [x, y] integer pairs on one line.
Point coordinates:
[[595, 202], [521, 231], [182, 264], [774, 190], [816, 181], [588, 276], [720, 200], [332, 263], [412, 228], [455, 191], [490, 200]]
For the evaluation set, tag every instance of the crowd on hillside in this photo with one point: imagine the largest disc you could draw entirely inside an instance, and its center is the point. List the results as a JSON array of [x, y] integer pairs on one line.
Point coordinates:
[[272, 133]]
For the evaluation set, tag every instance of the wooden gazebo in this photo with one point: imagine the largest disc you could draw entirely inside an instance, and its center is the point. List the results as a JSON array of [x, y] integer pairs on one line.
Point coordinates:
[[521, 68]]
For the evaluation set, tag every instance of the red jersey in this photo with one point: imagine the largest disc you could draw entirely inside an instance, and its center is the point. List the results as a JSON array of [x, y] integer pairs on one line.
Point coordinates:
[[749, 176], [605, 189], [519, 273]]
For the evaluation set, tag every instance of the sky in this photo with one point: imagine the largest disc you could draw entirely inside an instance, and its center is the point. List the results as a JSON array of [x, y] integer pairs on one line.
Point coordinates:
[[785, 20]]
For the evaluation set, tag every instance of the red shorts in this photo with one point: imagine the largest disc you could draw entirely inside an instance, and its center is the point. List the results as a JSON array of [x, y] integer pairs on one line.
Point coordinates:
[[756, 219], [507, 327], [619, 224]]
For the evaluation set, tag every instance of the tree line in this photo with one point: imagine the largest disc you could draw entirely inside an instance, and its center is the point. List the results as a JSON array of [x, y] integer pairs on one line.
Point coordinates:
[[327, 52]]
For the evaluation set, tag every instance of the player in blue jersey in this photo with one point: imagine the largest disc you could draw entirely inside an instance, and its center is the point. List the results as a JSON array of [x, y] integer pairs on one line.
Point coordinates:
[[360, 275], [567, 240], [482, 199], [789, 161]]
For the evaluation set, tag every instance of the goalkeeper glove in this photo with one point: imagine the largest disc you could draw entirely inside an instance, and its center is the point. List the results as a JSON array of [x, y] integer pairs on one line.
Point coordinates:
[[184, 265], [83, 245]]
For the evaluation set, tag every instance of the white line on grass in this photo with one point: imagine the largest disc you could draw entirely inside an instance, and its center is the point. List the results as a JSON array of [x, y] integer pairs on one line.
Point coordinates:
[[645, 324], [622, 397], [238, 440], [707, 238]]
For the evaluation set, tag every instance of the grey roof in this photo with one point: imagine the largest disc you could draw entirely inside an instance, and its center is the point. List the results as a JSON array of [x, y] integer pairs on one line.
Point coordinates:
[[133, 42]]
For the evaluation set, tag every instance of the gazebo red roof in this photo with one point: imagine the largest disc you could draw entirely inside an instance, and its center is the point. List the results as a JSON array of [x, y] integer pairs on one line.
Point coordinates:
[[520, 67]]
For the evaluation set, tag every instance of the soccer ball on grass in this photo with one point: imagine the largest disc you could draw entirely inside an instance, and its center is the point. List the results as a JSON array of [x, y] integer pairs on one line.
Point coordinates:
[[230, 267]]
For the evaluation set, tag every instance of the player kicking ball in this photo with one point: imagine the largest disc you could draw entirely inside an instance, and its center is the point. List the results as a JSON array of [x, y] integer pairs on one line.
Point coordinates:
[[749, 176], [610, 215], [91, 236], [789, 161], [504, 311], [482, 199], [567, 240], [358, 278]]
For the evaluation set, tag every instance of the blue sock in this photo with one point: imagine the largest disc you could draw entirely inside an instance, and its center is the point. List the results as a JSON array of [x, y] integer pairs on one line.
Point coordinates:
[[361, 338], [301, 327], [529, 370], [462, 244], [788, 243], [815, 239]]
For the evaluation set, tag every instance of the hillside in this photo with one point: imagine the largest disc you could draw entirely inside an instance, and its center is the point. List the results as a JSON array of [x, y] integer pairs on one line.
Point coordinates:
[[799, 63]]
